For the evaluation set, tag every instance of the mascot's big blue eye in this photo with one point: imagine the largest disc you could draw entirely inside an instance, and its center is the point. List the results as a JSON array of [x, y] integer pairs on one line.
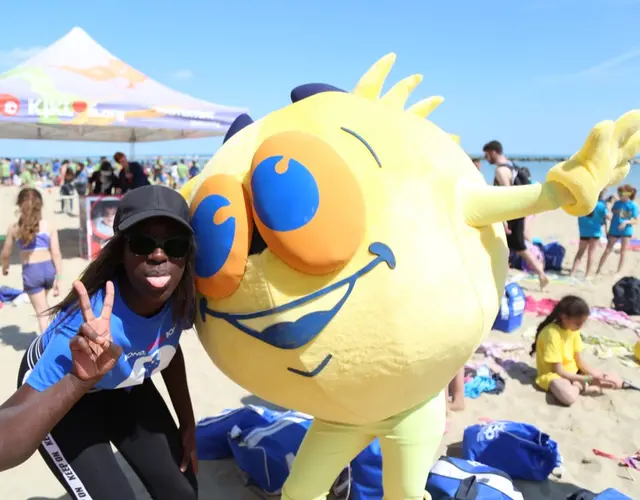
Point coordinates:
[[284, 198], [213, 241]]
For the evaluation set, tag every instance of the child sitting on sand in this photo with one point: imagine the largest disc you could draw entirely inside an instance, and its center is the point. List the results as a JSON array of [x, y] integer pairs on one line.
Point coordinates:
[[625, 216], [590, 228], [561, 368]]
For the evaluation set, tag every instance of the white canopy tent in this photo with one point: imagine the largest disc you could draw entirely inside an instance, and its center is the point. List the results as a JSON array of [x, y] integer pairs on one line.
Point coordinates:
[[75, 90]]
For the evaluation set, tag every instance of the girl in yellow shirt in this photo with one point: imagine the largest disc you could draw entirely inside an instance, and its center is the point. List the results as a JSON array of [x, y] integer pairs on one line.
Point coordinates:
[[561, 368]]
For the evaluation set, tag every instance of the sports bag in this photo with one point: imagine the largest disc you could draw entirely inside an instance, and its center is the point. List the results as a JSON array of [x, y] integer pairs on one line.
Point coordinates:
[[626, 295], [608, 494], [520, 450], [457, 479]]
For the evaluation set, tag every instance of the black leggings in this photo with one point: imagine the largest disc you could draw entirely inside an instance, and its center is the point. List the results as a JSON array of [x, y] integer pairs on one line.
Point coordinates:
[[139, 424]]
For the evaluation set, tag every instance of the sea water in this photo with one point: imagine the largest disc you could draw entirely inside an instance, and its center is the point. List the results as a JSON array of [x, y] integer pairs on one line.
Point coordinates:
[[539, 170]]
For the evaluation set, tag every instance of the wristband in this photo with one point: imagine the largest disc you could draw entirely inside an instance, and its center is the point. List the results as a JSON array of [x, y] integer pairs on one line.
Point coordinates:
[[586, 380], [58, 276]]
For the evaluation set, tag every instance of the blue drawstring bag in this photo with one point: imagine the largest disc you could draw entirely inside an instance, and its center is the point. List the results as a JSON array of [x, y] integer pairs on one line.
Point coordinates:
[[554, 256], [7, 294], [211, 432], [457, 479], [520, 450], [366, 474], [265, 453]]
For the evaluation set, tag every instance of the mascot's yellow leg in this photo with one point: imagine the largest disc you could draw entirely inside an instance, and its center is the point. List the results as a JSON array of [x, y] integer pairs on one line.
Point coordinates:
[[409, 443], [325, 451]]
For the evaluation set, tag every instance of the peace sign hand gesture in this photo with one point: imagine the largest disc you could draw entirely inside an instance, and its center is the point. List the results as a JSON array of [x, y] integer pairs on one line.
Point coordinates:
[[93, 352]]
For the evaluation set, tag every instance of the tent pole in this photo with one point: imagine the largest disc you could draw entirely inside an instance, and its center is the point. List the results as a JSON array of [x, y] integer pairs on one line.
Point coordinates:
[[132, 145]]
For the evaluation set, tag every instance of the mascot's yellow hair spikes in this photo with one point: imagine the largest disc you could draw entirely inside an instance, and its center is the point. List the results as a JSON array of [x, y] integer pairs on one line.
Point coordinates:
[[398, 94], [425, 107], [371, 83]]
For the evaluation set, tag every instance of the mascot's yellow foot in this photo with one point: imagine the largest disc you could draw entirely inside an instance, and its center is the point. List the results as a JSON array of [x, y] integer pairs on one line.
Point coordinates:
[[602, 161]]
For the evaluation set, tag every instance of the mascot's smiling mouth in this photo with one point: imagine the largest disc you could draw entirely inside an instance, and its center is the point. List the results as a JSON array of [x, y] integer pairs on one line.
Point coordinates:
[[294, 334]]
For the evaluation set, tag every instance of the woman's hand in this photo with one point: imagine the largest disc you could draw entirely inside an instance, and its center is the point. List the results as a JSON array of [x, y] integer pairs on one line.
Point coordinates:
[[5, 271], [93, 353], [56, 288], [188, 438]]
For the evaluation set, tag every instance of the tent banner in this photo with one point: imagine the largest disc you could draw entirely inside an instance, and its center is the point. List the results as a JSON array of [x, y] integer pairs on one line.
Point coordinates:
[[96, 114]]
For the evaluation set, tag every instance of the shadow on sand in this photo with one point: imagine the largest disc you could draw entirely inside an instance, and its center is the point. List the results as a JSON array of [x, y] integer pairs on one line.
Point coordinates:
[[12, 335], [256, 401]]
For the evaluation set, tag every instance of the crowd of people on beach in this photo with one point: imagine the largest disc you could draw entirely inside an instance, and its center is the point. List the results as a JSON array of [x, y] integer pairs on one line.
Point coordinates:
[[102, 177], [142, 284]]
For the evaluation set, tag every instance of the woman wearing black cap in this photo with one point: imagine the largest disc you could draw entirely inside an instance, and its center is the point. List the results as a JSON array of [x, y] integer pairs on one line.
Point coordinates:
[[148, 267]]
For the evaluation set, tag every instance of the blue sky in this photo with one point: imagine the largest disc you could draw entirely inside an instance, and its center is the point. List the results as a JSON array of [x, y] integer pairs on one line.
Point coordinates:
[[535, 74]]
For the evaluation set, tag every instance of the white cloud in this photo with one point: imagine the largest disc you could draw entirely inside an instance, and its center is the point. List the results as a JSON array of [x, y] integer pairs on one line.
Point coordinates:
[[182, 74], [613, 67], [13, 57]]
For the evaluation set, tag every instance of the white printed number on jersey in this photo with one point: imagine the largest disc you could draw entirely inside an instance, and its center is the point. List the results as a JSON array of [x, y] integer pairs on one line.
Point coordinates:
[[145, 366]]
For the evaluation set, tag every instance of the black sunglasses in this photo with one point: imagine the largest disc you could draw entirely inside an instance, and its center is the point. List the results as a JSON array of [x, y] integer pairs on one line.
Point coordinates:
[[176, 247]]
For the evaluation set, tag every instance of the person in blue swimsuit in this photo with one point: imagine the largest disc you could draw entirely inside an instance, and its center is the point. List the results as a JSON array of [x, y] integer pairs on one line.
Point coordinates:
[[590, 228], [149, 264], [625, 216], [40, 254]]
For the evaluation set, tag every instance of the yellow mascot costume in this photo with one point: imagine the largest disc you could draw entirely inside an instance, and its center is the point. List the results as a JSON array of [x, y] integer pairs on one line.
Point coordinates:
[[351, 258]]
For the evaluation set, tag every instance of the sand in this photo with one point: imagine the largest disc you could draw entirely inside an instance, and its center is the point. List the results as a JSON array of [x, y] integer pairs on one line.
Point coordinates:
[[607, 422]]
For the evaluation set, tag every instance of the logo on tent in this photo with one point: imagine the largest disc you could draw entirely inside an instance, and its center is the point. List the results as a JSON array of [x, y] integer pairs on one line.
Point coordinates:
[[9, 105], [69, 109]]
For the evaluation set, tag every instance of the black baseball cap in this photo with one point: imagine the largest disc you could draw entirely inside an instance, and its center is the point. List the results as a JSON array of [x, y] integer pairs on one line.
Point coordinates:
[[151, 201]]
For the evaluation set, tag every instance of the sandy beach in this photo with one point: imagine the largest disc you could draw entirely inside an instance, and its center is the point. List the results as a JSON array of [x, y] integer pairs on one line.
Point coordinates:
[[608, 422]]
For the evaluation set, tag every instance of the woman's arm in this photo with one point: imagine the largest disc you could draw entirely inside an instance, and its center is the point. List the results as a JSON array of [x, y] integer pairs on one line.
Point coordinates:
[[175, 378], [7, 249], [28, 416]]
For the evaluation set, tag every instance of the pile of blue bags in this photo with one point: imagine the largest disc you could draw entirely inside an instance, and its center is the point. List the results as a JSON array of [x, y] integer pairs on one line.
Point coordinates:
[[264, 443], [552, 253]]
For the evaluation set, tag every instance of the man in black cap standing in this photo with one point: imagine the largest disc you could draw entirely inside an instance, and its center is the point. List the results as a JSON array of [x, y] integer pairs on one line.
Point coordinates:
[[131, 175]]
